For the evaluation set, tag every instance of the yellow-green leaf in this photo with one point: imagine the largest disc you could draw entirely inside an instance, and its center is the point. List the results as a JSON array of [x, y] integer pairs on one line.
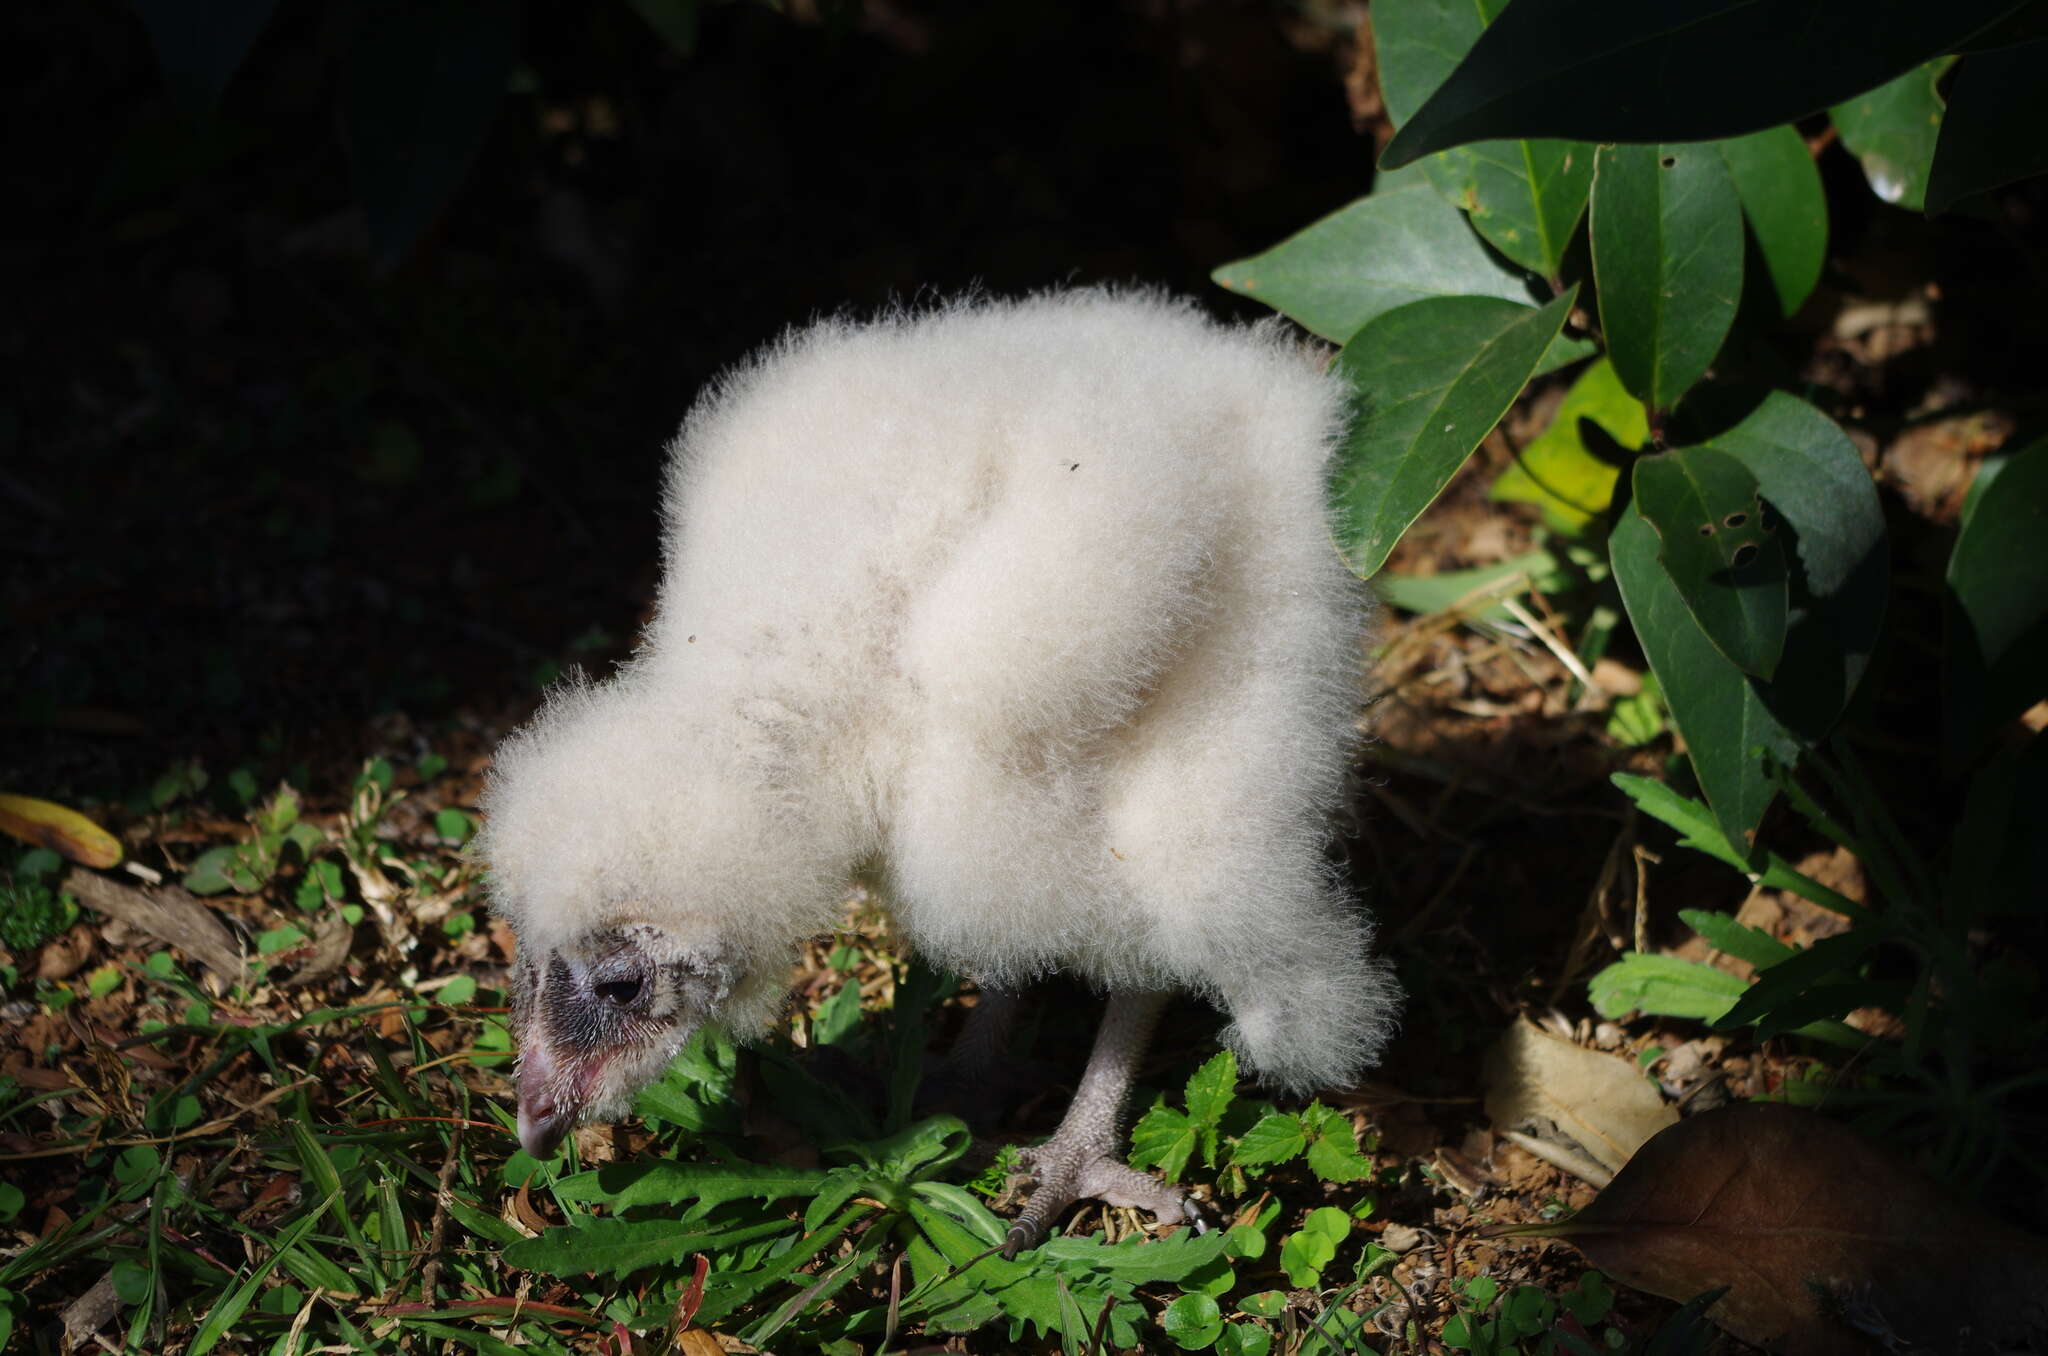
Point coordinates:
[[1557, 473]]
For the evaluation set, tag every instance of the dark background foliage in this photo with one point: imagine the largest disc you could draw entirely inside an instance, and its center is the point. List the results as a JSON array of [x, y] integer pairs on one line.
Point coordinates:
[[253, 484]]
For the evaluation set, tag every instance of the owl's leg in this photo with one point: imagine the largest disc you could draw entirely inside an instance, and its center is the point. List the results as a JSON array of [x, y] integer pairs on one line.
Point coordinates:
[[1082, 1160]]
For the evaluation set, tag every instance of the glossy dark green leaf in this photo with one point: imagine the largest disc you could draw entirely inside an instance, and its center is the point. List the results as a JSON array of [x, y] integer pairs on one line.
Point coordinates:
[[1667, 254], [1364, 260], [1525, 197], [1995, 646], [197, 53], [1430, 379], [1838, 554], [1624, 70], [1719, 544], [1781, 197], [423, 84], [1992, 133], [1732, 737], [1892, 131], [2028, 23]]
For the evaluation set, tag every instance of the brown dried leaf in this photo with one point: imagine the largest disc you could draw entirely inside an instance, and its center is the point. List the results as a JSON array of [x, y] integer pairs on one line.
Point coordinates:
[[1823, 1238], [1600, 1101], [62, 830], [167, 913]]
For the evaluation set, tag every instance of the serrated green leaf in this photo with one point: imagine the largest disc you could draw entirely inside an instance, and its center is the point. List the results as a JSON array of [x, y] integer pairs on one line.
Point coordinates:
[[1212, 1088], [1733, 738], [962, 1206], [624, 1185], [1366, 259], [1995, 614], [1620, 70], [1275, 1139], [1723, 933], [1165, 1139], [618, 1247], [1892, 130], [1663, 986], [1775, 177], [1138, 1261], [1333, 1155], [1430, 380], [1719, 546], [1991, 131], [1557, 472], [1667, 255]]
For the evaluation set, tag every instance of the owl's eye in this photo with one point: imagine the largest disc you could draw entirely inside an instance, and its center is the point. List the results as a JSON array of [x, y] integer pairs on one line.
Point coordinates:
[[622, 990]]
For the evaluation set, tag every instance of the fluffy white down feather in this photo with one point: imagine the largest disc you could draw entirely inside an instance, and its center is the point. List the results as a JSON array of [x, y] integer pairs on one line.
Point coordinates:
[[1026, 607]]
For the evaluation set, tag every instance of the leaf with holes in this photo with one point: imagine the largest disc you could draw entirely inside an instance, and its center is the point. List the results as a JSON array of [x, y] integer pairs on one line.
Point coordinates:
[[1430, 379], [1622, 70], [1779, 186], [1667, 255], [1525, 197], [1719, 545], [1731, 736], [1836, 548]]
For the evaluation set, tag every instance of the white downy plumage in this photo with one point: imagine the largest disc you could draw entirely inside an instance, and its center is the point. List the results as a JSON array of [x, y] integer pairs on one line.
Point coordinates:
[[1027, 609]]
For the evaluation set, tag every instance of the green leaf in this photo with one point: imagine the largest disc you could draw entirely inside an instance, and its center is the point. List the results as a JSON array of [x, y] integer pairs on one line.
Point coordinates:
[[208, 874], [1265, 1304], [674, 20], [1995, 615], [1557, 472], [1333, 1155], [1732, 736], [1810, 472], [1212, 1088], [1431, 594], [1364, 260], [1698, 831], [1303, 1255], [1193, 1322], [1244, 1242], [1667, 255], [660, 1182], [1330, 1222], [1893, 130], [1991, 134], [1430, 379], [1719, 544], [1139, 1261], [1779, 186], [1826, 960], [1723, 933], [1165, 1139], [838, 1016], [421, 86], [1243, 1339], [198, 59], [233, 1304], [1525, 197], [1621, 70], [1275, 1139], [1663, 986], [453, 825], [619, 1247]]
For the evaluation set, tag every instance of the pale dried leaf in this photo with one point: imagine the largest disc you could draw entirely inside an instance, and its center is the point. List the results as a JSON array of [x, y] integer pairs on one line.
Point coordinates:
[[1600, 1102], [167, 913]]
